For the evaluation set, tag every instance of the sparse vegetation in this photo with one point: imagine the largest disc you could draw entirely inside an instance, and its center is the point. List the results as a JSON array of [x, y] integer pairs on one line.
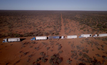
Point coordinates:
[[60, 51], [55, 59], [26, 53], [59, 46], [69, 61], [48, 48], [43, 58], [85, 50], [26, 22], [34, 23], [98, 55], [17, 62]]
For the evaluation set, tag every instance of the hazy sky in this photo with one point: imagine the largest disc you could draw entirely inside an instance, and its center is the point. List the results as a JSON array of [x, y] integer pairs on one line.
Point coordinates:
[[91, 5]]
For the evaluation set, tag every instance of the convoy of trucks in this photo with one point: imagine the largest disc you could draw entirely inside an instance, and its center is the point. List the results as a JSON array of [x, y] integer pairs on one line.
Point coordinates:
[[55, 37]]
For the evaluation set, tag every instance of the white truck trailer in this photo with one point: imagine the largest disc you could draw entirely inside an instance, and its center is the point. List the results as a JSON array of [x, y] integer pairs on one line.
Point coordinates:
[[71, 36], [102, 35], [85, 35], [41, 37], [11, 39]]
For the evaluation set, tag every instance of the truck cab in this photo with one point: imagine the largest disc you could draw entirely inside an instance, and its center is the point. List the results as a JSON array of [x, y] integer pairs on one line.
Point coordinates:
[[33, 39], [96, 35], [5, 40], [62, 37]]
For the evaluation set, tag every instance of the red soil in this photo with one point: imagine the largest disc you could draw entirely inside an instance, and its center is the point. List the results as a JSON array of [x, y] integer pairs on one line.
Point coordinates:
[[26, 52]]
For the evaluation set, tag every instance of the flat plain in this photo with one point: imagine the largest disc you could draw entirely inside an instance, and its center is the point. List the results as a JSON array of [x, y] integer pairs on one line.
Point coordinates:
[[29, 24]]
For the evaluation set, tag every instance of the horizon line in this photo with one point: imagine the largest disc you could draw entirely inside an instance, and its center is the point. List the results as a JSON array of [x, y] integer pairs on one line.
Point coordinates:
[[53, 10]]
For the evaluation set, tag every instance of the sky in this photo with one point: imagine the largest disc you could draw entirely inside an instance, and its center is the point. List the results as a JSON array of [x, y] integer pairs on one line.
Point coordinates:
[[87, 5]]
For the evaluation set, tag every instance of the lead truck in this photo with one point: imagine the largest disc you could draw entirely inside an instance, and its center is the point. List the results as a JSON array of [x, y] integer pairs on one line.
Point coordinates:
[[11, 40]]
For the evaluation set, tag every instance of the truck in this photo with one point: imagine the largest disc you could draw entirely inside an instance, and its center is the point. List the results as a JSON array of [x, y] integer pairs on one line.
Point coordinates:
[[11, 40], [39, 38], [71, 36], [85, 35], [96, 35], [62, 37]]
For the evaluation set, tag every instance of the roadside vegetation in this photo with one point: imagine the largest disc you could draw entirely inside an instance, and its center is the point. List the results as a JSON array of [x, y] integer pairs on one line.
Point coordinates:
[[95, 20], [25, 24]]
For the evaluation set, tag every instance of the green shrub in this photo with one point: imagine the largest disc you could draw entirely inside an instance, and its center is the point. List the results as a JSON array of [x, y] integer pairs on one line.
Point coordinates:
[[43, 59], [56, 33], [69, 61]]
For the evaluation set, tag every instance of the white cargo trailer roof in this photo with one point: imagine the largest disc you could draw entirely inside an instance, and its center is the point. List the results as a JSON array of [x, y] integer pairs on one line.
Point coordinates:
[[41, 37], [102, 35], [13, 39], [71, 36]]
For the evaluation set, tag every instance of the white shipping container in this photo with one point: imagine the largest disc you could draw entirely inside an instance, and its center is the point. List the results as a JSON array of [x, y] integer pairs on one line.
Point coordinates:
[[102, 35], [71, 36], [41, 37], [13, 39], [86, 35]]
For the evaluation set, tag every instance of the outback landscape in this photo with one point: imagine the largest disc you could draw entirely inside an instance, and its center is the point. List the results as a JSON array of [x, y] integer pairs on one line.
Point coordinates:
[[29, 24]]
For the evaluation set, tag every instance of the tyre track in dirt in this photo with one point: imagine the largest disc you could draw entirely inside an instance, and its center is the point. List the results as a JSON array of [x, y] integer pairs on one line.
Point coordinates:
[[64, 46], [62, 33]]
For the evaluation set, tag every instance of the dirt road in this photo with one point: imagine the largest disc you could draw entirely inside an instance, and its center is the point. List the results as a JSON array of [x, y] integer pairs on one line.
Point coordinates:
[[62, 27]]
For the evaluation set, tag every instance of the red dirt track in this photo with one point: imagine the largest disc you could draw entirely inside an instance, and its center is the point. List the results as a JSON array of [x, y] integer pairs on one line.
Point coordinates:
[[62, 27]]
